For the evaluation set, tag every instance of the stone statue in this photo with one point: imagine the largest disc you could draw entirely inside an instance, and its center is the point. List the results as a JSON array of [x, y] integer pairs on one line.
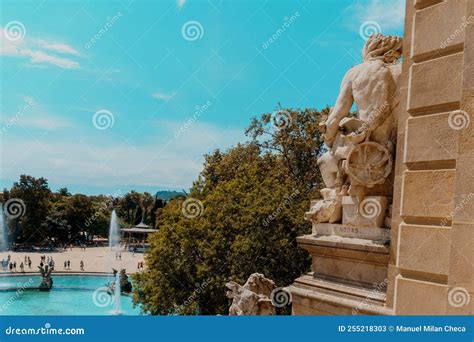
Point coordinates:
[[125, 284], [360, 152], [253, 298], [47, 281]]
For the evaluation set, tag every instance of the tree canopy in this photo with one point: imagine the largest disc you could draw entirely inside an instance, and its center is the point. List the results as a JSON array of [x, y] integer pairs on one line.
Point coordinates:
[[247, 210], [53, 218]]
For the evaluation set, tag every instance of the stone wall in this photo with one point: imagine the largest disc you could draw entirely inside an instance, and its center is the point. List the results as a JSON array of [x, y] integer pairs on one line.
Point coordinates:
[[432, 240]]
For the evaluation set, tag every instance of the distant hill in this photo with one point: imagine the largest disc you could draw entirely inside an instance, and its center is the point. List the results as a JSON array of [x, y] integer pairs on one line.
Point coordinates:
[[167, 195]]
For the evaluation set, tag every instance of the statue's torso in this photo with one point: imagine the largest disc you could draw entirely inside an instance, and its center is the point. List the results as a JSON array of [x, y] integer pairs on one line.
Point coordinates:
[[374, 88]]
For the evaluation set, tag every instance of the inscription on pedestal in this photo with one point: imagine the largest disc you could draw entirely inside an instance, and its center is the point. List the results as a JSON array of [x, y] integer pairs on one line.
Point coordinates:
[[367, 233]]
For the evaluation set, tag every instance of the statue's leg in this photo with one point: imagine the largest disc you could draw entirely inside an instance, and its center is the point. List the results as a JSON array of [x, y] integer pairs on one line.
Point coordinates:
[[328, 167]]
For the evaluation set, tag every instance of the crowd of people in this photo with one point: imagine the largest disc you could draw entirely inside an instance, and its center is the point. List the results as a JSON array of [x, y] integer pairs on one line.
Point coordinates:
[[28, 263], [11, 265]]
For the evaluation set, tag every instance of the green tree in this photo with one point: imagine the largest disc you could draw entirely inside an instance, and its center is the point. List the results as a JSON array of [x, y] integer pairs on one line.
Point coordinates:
[[146, 202], [294, 135], [36, 195], [253, 197], [128, 208], [79, 209]]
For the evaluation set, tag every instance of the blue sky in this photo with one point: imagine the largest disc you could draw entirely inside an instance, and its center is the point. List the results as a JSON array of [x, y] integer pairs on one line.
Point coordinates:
[[108, 96]]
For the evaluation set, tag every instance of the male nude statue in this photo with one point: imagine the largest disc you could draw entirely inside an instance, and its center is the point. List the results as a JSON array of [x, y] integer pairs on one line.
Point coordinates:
[[372, 85]]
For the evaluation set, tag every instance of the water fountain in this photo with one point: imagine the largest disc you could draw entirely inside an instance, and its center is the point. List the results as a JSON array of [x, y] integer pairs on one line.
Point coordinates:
[[114, 246], [114, 232], [4, 245], [117, 294]]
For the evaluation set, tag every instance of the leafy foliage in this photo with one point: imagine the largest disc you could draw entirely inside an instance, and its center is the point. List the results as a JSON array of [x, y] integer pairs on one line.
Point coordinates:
[[53, 218], [254, 196]]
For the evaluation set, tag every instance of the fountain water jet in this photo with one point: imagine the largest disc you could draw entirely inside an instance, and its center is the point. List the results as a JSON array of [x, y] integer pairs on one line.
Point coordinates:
[[117, 294], [4, 245], [114, 232]]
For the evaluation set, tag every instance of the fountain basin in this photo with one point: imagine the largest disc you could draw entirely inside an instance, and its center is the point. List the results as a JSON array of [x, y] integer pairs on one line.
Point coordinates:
[[73, 295]]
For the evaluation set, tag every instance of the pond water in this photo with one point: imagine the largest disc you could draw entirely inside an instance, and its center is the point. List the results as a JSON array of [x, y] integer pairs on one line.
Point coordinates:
[[70, 295]]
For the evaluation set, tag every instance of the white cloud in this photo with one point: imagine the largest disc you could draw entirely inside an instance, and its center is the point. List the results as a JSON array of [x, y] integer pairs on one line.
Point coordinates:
[[45, 122], [180, 3], [163, 96], [30, 114], [43, 57], [167, 162], [34, 50], [389, 15], [57, 47]]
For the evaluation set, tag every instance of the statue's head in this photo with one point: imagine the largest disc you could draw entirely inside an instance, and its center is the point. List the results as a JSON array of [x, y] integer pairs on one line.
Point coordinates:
[[386, 48]]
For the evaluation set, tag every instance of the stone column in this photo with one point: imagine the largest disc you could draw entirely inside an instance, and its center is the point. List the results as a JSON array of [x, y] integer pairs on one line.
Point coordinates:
[[432, 248], [428, 266]]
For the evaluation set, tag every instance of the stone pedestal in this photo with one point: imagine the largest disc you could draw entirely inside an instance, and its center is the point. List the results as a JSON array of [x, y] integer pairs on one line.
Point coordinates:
[[381, 235], [349, 276], [370, 212]]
